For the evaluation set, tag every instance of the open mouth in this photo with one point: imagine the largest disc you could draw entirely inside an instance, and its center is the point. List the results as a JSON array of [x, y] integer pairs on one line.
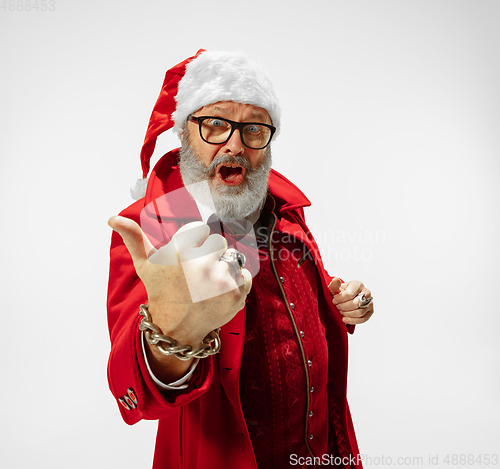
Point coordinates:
[[230, 174]]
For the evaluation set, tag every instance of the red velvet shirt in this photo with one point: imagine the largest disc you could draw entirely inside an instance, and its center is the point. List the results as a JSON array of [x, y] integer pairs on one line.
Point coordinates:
[[285, 360]]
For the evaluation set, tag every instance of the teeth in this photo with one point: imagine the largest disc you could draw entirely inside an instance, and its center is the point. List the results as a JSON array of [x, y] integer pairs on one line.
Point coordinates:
[[229, 172]]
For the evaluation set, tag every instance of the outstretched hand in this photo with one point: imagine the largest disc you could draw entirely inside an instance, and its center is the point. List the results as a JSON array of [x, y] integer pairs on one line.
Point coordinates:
[[190, 291]]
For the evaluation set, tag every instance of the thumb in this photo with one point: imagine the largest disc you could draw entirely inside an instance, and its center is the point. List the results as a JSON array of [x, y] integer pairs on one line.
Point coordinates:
[[247, 281], [335, 286], [135, 240]]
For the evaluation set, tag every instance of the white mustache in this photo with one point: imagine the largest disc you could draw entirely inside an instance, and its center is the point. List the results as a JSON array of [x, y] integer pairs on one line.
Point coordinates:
[[228, 159]]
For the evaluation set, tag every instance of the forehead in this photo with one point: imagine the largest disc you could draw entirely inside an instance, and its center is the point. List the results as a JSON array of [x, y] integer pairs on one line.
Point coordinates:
[[235, 111]]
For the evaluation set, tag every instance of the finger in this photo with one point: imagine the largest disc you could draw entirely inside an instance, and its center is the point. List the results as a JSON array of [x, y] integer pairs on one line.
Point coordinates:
[[335, 286], [361, 320], [215, 244], [349, 305], [211, 250], [366, 292], [357, 313], [246, 286], [134, 238], [191, 235], [351, 290], [166, 255], [244, 281]]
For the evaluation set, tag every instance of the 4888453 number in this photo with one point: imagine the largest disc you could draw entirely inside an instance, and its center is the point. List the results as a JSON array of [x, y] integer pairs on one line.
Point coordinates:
[[471, 460], [28, 5]]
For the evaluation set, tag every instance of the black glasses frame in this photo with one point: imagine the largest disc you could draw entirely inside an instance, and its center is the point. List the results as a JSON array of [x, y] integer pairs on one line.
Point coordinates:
[[234, 125]]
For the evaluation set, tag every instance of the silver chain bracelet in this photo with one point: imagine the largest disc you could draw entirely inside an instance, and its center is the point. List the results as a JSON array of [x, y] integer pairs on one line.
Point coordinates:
[[154, 336]]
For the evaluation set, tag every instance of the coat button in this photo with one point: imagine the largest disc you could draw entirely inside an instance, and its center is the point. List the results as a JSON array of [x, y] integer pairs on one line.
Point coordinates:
[[282, 280], [311, 436], [129, 402], [311, 413], [309, 362], [131, 394], [302, 334], [123, 403], [312, 389], [292, 306]]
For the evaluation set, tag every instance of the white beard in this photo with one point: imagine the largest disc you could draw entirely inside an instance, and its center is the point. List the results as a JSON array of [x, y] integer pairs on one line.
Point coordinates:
[[228, 202]]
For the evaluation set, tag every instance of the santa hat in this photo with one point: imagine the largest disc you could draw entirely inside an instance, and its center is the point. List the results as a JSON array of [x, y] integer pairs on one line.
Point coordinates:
[[206, 78]]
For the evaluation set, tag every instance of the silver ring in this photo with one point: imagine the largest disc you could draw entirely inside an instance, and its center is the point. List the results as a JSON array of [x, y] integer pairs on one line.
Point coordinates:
[[364, 302], [235, 259]]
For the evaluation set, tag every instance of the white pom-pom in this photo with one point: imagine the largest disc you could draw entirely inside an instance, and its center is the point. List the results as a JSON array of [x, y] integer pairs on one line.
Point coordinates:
[[138, 190]]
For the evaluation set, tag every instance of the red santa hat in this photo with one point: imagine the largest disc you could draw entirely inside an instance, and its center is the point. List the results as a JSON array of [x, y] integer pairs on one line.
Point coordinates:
[[208, 77]]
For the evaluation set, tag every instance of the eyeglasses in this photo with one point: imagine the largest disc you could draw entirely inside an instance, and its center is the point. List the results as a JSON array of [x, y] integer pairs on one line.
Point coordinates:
[[216, 130]]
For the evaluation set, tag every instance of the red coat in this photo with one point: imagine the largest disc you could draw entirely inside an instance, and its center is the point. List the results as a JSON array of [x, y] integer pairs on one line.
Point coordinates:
[[204, 425]]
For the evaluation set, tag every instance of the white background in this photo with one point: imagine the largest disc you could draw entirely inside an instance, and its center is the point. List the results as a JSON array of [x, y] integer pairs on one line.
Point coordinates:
[[390, 126]]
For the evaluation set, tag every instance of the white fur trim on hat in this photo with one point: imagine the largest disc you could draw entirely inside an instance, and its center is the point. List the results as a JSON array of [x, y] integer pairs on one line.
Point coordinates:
[[138, 190], [216, 76]]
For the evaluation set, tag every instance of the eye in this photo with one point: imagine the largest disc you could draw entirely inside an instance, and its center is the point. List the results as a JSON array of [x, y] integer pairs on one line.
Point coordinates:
[[253, 129], [216, 122]]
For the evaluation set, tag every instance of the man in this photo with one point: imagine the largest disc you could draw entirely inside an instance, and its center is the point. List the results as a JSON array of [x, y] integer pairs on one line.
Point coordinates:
[[240, 347]]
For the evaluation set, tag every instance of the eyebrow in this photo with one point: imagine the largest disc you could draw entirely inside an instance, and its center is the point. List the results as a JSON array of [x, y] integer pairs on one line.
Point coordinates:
[[259, 115]]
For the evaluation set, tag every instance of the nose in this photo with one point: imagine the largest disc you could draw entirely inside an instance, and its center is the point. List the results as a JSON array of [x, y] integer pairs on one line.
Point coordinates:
[[234, 145]]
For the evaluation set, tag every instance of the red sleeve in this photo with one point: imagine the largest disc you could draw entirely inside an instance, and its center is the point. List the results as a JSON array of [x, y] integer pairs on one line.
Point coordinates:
[[126, 366]]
